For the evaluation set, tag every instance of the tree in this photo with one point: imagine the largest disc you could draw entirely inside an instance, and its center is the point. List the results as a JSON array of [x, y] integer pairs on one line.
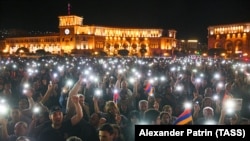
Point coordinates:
[[216, 51], [103, 53], [22, 50], [123, 52], [80, 52], [40, 52], [143, 51]]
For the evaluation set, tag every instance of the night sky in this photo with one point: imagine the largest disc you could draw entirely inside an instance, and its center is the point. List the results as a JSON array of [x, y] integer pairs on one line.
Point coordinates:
[[190, 18]]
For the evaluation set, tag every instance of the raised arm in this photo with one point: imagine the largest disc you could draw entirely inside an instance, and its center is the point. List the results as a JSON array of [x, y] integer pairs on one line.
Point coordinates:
[[31, 102], [222, 117], [96, 106], [4, 133], [135, 88], [74, 91], [76, 86], [118, 82], [47, 94], [79, 114]]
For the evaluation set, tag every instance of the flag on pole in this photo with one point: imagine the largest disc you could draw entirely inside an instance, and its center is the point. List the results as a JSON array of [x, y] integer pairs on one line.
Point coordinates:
[[184, 118], [115, 96], [69, 6], [148, 88]]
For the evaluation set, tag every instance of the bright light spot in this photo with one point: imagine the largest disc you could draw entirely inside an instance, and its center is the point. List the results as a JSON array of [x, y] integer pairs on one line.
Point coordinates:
[[86, 72], [131, 80], [217, 76], [210, 122], [179, 88], [216, 97], [98, 92], [4, 109], [26, 85], [173, 69], [230, 106], [198, 80], [69, 83], [162, 78], [220, 85], [187, 105], [36, 109]]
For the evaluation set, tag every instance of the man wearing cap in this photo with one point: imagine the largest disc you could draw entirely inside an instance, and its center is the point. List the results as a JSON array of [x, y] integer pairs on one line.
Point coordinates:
[[60, 129], [207, 117]]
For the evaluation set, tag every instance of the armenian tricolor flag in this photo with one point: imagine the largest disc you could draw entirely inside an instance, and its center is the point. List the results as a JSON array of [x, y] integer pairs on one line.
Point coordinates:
[[184, 118], [148, 88]]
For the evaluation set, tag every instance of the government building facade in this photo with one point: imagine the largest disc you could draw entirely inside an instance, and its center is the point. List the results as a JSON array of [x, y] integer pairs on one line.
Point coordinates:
[[76, 37], [234, 38]]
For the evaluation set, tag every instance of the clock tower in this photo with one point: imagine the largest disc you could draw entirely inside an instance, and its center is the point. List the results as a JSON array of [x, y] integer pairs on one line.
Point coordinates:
[[67, 31], [68, 26], [68, 23]]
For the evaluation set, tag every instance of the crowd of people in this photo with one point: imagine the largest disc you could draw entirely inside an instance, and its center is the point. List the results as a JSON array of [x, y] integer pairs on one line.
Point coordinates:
[[103, 98]]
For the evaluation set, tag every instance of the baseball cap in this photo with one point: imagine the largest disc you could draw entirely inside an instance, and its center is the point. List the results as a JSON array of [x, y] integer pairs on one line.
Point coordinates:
[[55, 109]]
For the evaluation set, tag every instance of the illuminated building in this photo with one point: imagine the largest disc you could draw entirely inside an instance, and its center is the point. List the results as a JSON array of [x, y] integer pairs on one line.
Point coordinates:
[[188, 46], [234, 38], [74, 35]]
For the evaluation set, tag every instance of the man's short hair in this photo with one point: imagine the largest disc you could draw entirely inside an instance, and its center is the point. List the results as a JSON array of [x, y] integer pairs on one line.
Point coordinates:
[[22, 138], [73, 138], [55, 109], [163, 113], [143, 101], [23, 123], [165, 107], [134, 113], [107, 127], [151, 115]]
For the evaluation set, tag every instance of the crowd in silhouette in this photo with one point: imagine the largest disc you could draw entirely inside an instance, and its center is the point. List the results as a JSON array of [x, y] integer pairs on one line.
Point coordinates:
[[103, 98]]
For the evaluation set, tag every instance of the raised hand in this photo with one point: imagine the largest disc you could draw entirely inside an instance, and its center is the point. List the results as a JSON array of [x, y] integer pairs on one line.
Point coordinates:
[[75, 99]]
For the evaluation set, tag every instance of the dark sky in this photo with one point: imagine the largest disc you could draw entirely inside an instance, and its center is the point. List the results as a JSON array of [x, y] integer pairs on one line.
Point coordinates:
[[190, 18]]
